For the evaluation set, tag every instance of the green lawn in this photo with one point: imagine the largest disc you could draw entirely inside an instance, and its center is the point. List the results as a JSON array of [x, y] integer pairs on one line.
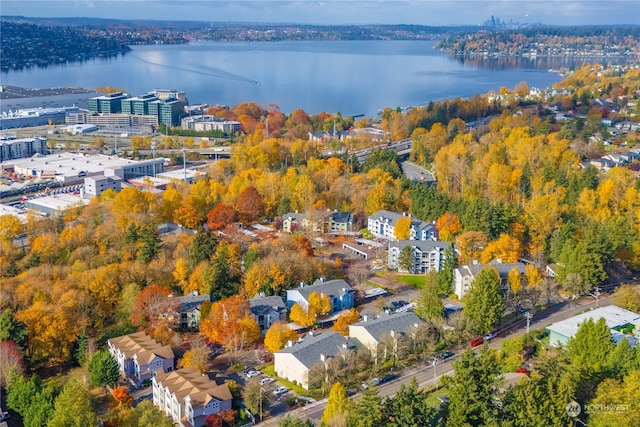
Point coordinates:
[[433, 397], [415, 280], [270, 371]]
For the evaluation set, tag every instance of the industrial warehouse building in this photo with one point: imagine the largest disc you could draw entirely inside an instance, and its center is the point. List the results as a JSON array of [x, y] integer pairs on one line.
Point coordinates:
[[72, 168]]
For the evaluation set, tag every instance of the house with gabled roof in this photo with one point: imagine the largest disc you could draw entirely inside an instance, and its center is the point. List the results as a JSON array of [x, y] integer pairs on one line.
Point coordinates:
[[189, 397], [427, 255], [187, 314], [341, 295], [297, 358], [372, 332], [319, 221], [464, 275], [140, 357], [268, 310], [383, 224]]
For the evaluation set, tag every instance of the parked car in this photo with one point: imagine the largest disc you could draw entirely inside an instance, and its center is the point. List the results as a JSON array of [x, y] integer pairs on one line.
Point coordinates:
[[372, 381], [280, 390], [478, 341], [4, 416], [489, 336], [388, 377], [446, 355], [402, 303], [253, 373], [266, 380], [395, 305]]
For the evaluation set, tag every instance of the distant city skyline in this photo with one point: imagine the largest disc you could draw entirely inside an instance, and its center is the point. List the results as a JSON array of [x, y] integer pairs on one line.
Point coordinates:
[[340, 12]]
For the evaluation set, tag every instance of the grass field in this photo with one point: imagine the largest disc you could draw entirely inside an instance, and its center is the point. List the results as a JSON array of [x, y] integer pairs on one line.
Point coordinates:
[[415, 280]]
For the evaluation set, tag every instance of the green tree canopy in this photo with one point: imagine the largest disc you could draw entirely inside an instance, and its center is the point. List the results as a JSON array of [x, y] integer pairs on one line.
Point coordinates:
[[73, 407], [473, 390], [103, 369], [410, 407], [430, 305], [484, 300]]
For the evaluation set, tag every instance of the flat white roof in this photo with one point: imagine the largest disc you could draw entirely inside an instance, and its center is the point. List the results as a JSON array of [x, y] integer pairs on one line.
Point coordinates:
[[69, 164], [612, 314], [178, 174], [10, 210], [59, 202]]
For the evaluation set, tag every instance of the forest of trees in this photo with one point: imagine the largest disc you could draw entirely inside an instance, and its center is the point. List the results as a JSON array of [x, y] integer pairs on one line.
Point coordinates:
[[515, 190]]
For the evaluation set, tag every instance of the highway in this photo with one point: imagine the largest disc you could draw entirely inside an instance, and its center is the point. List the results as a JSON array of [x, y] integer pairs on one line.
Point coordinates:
[[424, 372]]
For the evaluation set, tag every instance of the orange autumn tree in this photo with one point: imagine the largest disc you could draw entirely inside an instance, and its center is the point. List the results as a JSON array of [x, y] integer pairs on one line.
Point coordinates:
[[121, 396], [220, 216], [151, 305], [231, 324], [278, 335], [249, 204], [448, 226]]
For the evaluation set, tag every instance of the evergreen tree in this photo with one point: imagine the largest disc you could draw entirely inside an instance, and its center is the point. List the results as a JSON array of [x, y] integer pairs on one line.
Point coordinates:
[[445, 275], [405, 259], [473, 390], [103, 369], [81, 349], [291, 421], [368, 411], [592, 345], [11, 328], [151, 243], [203, 247], [484, 300], [410, 407], [429, 303]]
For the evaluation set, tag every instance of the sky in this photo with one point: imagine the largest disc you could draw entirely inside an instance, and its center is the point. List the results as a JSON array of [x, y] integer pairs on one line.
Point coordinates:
[[338, 12]]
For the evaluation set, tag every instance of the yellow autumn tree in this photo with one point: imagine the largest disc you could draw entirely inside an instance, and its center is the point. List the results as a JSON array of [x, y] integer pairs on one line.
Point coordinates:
[[198, 358], [181, 274], [402, 230], [515, 280], [506, 248], [348, 317], [470, 245], [278, 335], [533, 275], [301, 316], [319, 304]]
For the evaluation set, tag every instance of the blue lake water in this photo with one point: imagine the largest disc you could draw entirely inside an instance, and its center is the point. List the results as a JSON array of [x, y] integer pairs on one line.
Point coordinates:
[[350, 77]]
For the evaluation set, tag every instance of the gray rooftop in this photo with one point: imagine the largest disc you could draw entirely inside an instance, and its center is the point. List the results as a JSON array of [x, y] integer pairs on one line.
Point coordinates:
[[423, 245], [263, 305], [309, 350], [503, 269], [191, 302], [337, 287], [383, 325]]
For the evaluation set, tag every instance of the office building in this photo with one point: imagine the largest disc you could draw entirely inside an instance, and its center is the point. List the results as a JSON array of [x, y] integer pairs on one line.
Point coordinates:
[[109, 103]]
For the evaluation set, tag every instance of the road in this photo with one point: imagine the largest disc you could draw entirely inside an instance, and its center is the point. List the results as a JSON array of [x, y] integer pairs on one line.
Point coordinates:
[[427, 375], [416, 173]]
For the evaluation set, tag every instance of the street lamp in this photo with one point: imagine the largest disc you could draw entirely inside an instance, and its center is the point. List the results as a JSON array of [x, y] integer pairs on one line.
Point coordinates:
[[261, 390], [153, 150], [434, 361], [184, 163]]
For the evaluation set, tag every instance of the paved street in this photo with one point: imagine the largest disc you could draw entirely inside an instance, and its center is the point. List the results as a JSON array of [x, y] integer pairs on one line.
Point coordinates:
[[424, 373]]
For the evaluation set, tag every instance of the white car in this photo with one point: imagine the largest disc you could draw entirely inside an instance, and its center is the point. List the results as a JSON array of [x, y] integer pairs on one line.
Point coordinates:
[[253, 373], [266, 380], [489, 337], [280, 390]]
